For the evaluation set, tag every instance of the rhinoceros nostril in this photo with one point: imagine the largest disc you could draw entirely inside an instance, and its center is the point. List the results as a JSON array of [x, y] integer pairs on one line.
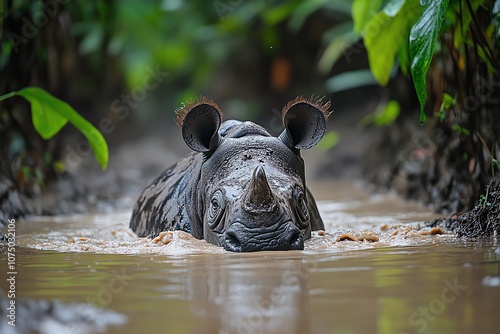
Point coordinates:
[[232, 243], [296, 241], [294, 238]]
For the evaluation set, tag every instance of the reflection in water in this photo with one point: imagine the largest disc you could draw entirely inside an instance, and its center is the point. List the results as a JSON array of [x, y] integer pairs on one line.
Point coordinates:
[[404, 283], [417, 289], [241, 298]]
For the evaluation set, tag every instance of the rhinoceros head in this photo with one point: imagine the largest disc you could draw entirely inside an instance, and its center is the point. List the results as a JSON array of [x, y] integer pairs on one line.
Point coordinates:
[[251, 192]]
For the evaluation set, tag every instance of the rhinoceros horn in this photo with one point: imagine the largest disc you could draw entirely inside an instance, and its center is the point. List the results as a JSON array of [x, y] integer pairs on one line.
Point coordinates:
[[258, 195]]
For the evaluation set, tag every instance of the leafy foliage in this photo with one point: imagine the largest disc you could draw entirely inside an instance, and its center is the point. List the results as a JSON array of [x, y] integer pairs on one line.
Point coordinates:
[[447, 46], [423, 36], [386, 34], [50, 114], [399, 30], [451, 48], [396, 27], [362, 11], [447, 103]]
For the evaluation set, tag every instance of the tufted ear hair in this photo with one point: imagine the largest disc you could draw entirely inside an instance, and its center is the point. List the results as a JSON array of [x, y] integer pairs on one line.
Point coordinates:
[[305, 122], [199, 122]]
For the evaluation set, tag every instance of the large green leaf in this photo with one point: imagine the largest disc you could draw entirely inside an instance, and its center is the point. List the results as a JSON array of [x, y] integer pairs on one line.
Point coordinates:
[[50, 114], [392, 7], [46, 121], [385, 35], [423, 36], [403, 57], [362, 11]]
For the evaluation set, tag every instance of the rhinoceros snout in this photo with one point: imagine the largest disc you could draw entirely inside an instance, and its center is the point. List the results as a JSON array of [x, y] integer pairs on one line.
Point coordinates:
[[238, 238]]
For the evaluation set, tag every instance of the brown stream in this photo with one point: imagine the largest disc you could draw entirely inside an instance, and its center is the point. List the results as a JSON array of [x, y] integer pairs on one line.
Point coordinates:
[[408, 281]]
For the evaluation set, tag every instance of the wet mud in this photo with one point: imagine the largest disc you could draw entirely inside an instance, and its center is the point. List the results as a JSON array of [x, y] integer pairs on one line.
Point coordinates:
[[354, 220], [376, 267]]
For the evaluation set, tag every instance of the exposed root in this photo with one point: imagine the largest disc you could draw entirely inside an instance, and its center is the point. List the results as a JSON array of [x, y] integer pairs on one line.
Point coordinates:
[[480, 222], [483, 220]]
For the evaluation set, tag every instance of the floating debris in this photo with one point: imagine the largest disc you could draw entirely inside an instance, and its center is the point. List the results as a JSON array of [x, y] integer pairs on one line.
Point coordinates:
[[347, 236], [164, 237], [367, 236], [432, 231]]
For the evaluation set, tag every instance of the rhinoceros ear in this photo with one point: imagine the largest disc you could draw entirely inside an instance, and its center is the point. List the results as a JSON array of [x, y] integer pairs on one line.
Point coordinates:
[[305, 122], [199, 122]]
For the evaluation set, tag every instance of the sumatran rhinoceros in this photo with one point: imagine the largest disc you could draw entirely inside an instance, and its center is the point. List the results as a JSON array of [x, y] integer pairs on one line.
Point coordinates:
[[242, 188]]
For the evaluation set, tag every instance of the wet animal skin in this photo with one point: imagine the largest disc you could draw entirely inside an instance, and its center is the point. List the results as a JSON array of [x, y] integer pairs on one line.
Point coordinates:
[[242, 188]]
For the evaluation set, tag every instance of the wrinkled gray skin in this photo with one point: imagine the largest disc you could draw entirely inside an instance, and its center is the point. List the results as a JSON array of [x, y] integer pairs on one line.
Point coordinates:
[[243, 189]]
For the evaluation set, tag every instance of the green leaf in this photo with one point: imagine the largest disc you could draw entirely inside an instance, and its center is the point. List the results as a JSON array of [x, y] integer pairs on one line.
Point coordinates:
[[385, 36], [46, 122], [50, 114], [362, 11], [481, 52], [392, 7], [384, 115], [423, 36], [388, 114], [461, 130], [448, 102], [403, 57]]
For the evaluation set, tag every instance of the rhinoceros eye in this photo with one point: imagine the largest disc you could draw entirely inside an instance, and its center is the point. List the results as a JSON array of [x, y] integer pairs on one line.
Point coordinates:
[[301, 206], [215, 209]]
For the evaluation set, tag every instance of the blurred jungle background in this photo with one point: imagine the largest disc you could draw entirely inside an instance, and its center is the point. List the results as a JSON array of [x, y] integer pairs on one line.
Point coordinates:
[[414, 86]]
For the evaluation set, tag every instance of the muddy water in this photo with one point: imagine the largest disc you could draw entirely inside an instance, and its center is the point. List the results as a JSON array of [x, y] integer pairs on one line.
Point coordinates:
[[408, 281]]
